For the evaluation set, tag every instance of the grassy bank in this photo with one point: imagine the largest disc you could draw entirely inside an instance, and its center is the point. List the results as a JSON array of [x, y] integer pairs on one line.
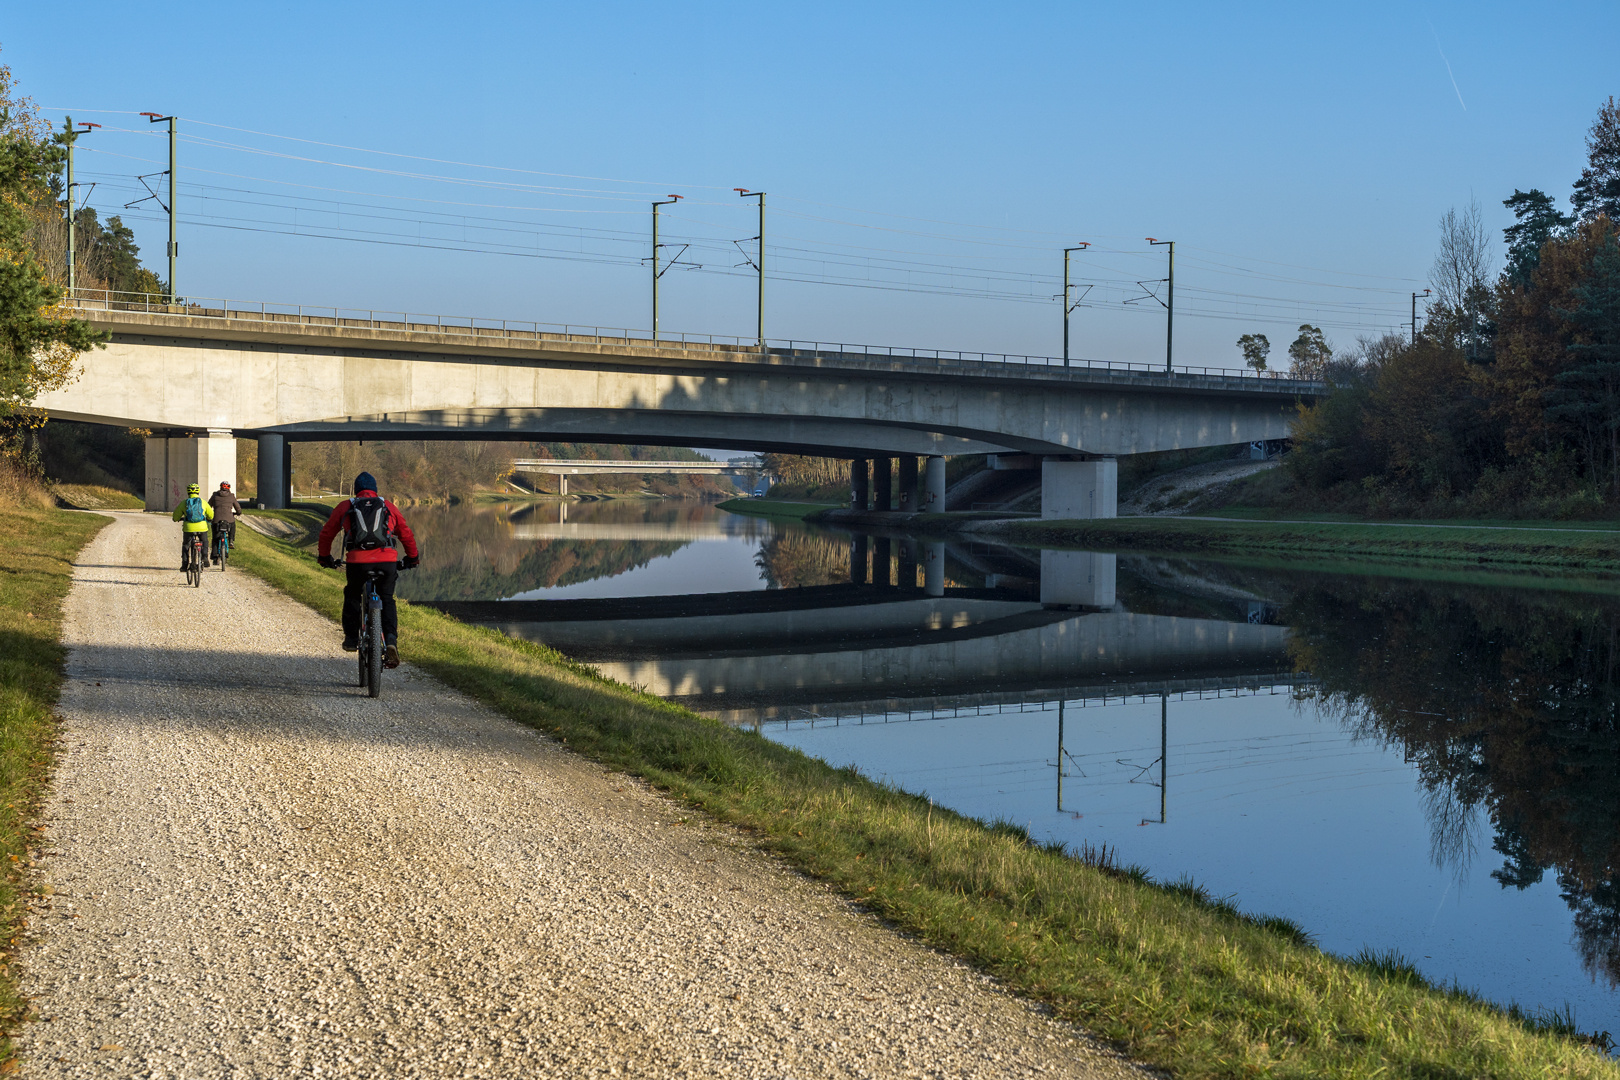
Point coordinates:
[[40, 546], [774, 508], [96, 497], [1556, 547], [1175, 978]]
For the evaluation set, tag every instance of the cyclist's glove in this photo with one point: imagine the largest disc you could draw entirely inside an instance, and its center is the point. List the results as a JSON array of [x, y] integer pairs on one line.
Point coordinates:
[[410, 562], [328, 562]]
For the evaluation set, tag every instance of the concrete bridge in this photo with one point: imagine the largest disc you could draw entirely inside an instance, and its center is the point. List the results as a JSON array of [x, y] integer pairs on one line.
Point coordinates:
[[562, 470], [201, 374]]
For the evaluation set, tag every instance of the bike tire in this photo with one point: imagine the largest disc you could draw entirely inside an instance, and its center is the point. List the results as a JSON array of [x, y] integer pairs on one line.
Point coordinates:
[[193, 567], [374, 648]]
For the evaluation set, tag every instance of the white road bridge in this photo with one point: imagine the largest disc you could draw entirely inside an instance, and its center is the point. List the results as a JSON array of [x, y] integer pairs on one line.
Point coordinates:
[[563, 469], [206, 372]]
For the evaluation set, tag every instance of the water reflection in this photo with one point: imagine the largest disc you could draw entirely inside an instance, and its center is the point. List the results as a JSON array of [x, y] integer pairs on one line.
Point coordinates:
[[1426, 767], [1505, 704]]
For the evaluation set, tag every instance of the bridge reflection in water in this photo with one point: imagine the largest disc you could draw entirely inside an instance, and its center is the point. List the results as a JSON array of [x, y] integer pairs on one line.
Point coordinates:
[[885, 653]]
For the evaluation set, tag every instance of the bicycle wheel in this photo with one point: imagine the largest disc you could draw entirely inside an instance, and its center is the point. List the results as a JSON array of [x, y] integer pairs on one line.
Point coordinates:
[[365, 639], [224, 550], [194, 564], [374, 644]]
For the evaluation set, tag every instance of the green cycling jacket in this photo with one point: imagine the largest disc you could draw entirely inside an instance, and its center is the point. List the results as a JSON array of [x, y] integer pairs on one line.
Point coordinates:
[[193, 526]]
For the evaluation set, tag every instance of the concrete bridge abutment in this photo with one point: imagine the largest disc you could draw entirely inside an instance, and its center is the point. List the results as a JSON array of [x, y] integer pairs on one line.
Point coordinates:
[[176, 461], [1079, 489]]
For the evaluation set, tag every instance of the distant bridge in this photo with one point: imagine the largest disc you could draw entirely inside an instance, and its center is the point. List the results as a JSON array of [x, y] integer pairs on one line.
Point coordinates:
[[564, 469], [201, 373]]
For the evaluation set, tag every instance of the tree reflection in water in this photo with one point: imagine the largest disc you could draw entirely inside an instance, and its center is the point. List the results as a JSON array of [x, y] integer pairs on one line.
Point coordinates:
[[473, 553], [1506, 703]]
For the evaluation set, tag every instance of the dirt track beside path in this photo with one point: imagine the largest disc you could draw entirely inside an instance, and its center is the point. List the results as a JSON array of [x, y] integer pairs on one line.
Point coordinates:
[[259, 872]]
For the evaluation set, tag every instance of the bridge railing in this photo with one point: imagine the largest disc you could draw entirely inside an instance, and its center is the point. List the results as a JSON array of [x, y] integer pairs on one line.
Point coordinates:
[[515, 329]]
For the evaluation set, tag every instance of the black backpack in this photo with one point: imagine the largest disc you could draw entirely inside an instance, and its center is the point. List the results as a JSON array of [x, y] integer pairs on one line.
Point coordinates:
[[368, 526]]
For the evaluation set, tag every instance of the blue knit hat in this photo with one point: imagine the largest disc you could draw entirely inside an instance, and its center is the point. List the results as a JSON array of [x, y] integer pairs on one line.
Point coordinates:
[[365, 482]]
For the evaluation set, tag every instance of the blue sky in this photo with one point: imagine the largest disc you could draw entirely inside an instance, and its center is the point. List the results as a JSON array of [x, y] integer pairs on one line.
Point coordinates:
[[925, 164]]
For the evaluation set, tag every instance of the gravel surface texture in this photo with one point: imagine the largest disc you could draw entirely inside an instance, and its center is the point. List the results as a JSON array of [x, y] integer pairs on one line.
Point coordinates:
[[259, 872]]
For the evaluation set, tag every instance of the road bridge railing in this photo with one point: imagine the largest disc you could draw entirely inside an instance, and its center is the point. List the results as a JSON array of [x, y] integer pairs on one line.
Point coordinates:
[[514, 331]]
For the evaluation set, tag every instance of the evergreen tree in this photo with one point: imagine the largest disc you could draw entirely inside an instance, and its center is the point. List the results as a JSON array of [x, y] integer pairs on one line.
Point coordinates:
[[1597, 192], [1255, 348], [1538, 221], [1310, 353]]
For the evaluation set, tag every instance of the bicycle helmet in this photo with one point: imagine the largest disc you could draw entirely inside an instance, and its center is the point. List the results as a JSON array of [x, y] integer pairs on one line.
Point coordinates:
[[225, 485], [193, 489]]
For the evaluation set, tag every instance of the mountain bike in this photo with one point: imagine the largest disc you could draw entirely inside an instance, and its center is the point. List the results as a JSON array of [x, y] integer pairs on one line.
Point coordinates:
[[222, 546], [372, 645], [194, 557]]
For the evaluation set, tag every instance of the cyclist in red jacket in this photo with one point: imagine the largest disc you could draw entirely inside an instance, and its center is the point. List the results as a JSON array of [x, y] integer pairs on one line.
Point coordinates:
[[371, 525]]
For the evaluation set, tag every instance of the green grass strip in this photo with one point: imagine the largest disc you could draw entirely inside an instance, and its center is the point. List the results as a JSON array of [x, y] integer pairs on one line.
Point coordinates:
[[34, 577], [1175, 979], [1553, 549], [773, 508]]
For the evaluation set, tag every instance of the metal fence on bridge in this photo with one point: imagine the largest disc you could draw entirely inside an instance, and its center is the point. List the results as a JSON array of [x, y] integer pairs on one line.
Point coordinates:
[[513, 329]]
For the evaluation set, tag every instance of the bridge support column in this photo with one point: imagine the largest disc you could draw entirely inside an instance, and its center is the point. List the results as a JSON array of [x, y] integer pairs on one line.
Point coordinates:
[[882, 561], [908, 484], [173, 464], [905, 564], [934, 568], [858, 487], [1079, 489], [857, 560], [933, 501], [882, 483], [275, 472], [562, 485]]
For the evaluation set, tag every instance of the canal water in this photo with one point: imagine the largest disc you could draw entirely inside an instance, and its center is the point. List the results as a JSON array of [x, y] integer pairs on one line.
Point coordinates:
[[1431, 767]]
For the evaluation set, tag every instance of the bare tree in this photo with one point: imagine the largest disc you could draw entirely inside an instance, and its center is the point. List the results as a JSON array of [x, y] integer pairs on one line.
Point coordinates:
[[1464, 263]]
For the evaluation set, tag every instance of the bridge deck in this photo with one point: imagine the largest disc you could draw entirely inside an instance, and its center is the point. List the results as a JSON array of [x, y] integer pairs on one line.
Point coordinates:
[[405, 332]]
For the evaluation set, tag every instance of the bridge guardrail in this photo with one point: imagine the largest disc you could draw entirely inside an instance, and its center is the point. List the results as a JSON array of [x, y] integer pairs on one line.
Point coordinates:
[[474, 326]]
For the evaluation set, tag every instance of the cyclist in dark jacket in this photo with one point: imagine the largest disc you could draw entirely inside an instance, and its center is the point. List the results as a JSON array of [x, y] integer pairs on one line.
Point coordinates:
[[226, 511], [370, 525]]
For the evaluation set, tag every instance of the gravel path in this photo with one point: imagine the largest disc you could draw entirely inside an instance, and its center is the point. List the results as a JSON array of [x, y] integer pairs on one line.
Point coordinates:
[[258, 872]]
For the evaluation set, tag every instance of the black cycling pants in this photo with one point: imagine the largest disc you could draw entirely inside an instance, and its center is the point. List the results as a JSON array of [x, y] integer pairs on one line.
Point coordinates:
[[185, 538], [385, 588]]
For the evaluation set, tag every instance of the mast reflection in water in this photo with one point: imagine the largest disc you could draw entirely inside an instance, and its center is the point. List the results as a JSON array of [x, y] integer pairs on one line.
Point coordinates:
[[1430, 768]]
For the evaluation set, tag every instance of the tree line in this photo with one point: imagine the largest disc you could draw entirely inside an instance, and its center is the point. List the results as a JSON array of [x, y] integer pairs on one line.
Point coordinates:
[[1507, 401]]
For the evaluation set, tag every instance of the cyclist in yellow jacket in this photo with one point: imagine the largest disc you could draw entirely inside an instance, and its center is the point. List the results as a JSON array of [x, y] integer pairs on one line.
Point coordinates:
[[194, 514]]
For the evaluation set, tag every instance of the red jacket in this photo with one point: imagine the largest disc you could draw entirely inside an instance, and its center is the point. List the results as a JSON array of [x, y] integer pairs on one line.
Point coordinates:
[[396, 523]]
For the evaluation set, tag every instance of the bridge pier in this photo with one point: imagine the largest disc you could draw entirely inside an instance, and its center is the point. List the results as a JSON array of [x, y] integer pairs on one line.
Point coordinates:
[[908, 484], [882, 483], [1072, 579], [934, 567], [562, 485], [857, 559], [275, 472], [858, 487], [1079, 489], [882, 561], [173, 463], [933, 501]]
